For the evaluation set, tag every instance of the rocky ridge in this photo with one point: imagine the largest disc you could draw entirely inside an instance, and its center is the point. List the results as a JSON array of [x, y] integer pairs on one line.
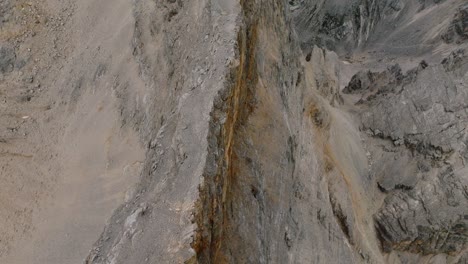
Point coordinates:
[[258, 203], [271, 131]]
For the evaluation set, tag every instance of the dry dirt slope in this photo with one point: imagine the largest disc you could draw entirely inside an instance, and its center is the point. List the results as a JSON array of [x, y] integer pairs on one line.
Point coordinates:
[[67, 159]]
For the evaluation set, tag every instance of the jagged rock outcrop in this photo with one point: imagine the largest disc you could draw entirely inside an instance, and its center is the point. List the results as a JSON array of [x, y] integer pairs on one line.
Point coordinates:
[[369, 82], [335, 24], [425, 112], [423, 117], [382, 26], [458, 28], [323, 73], [429, 218], [414, 122]]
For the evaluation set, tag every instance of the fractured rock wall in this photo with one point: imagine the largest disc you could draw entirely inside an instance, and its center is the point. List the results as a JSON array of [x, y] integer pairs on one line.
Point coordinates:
[[251, 163], [253, 154]]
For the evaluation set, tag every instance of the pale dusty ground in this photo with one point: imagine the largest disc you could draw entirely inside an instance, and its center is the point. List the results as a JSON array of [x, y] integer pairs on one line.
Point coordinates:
[[66, 159]]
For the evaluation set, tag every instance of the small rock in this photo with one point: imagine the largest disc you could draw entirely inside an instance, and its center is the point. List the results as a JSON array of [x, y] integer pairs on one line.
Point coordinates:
[[7, 59]]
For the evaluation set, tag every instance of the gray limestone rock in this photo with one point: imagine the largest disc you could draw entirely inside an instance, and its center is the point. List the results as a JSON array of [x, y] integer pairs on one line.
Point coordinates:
[[425, 110], [432, 218], [7, 58], [423, 114], [458, 28], [367, 81]]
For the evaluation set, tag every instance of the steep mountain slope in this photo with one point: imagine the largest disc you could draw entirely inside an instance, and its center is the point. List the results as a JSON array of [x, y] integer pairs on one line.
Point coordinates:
[[415, 121], [271, 184], [220, 131]]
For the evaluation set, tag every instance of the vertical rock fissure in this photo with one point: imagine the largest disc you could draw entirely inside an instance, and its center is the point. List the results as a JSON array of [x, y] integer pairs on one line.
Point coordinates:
[[217, 192]]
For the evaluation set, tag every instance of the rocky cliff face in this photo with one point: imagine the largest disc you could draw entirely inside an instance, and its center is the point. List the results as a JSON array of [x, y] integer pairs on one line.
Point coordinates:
[[290, 170], [421, 164], [415, 121], [270, 132], [266, 169]]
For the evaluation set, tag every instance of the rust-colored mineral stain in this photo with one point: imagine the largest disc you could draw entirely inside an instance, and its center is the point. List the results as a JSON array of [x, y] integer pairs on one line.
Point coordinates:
[[240, 106]]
